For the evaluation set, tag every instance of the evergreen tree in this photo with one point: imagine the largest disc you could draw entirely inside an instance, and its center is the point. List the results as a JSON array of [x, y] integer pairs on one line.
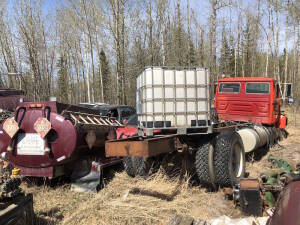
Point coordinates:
[[105, 71], [225, 52], [63, 84], [191, 57], [178, 39]]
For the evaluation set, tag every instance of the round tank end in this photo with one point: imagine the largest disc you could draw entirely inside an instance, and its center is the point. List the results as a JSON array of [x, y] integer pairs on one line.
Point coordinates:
[[249, 138]]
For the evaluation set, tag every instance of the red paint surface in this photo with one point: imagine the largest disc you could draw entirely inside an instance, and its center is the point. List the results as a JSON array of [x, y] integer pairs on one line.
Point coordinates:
[[69, 142], [256, 108], [63, 146], [131, 131], [37, 172], [4, 139], [287, 210], [126, 132], [66, 142], [283, 122]]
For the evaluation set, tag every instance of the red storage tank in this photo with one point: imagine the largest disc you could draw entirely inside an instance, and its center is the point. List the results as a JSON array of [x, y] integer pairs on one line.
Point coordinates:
[[44, 139]]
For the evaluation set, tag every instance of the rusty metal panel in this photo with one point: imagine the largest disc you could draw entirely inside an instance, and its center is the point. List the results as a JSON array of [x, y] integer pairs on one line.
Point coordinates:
[[249, 184], [143, 148], [250, 199], [288, 206]]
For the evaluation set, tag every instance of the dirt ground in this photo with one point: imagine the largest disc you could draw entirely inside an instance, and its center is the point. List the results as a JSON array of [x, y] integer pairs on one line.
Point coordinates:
[[119, 202]]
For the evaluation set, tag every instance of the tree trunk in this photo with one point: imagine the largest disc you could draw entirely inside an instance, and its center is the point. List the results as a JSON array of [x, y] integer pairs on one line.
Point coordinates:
[[286, 54]]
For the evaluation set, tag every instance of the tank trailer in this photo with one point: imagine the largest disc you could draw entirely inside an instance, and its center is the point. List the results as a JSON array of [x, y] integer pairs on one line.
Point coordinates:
[[51, 139]]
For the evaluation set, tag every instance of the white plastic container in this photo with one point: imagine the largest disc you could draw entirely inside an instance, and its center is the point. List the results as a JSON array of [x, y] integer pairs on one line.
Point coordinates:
[[173, 98]]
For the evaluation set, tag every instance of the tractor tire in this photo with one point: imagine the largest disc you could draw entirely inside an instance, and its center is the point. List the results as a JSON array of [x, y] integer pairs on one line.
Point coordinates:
[[128, 163], [204, 164], [229, 158]]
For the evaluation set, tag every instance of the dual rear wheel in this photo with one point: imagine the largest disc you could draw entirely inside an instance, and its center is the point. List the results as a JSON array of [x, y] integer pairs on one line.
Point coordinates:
[[219, 161]]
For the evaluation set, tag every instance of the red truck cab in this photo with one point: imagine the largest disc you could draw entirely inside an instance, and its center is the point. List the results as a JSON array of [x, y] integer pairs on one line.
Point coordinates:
[[249, 99]]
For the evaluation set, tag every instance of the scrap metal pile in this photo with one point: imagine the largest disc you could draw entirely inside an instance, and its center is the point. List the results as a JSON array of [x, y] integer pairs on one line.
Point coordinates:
[[9, 187], [16, 207], [174, 116], [275, 192]]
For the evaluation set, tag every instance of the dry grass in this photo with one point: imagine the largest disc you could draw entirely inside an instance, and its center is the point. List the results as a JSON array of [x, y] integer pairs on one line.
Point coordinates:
[[293, 115], [128, 200], [288, 149], [51, 205], [116, 204]]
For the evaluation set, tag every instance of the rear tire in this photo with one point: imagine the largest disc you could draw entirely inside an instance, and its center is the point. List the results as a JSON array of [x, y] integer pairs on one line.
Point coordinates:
[[171, 164], [204, 164], [129, 166], [229, 158], [146, 166], [141, 166]]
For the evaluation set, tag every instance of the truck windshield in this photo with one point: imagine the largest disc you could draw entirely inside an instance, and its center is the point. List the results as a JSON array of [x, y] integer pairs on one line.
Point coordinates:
[[229, 88], [257, 88]]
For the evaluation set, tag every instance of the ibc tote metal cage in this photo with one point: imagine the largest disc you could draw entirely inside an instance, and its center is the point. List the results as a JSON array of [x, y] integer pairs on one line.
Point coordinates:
[[174, 99]]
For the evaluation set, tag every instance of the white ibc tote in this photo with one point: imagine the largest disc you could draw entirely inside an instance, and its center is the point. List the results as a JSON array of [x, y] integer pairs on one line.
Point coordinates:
[[173, 98]]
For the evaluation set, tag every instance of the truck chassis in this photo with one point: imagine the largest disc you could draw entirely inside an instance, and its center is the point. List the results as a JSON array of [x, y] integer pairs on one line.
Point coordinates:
[[219, 156]]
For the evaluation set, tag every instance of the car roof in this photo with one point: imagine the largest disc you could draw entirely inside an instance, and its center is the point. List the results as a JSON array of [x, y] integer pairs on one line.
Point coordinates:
[[114, 106], [93, 103]]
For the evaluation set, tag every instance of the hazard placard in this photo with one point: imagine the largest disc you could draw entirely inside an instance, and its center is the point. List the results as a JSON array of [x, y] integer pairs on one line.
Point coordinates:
[[11, 127], [42, 126]]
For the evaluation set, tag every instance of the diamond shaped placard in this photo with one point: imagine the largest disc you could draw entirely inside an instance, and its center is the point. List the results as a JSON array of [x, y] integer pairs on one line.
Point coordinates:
[[11, 127], [42, 126]]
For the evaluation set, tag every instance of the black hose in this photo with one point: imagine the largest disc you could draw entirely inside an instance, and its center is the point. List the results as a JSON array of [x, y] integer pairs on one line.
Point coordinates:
[[48, 112], [22, 117]]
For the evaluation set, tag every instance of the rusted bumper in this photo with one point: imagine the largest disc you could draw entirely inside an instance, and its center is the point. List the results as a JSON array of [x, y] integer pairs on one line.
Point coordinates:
[[142, 148]]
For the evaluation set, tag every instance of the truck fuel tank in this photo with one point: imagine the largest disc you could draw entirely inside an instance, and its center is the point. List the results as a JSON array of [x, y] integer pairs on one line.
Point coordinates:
[[254, 137]]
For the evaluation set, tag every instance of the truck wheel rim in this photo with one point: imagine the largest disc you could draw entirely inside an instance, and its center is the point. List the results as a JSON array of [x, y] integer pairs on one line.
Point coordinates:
[[237, 160]]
